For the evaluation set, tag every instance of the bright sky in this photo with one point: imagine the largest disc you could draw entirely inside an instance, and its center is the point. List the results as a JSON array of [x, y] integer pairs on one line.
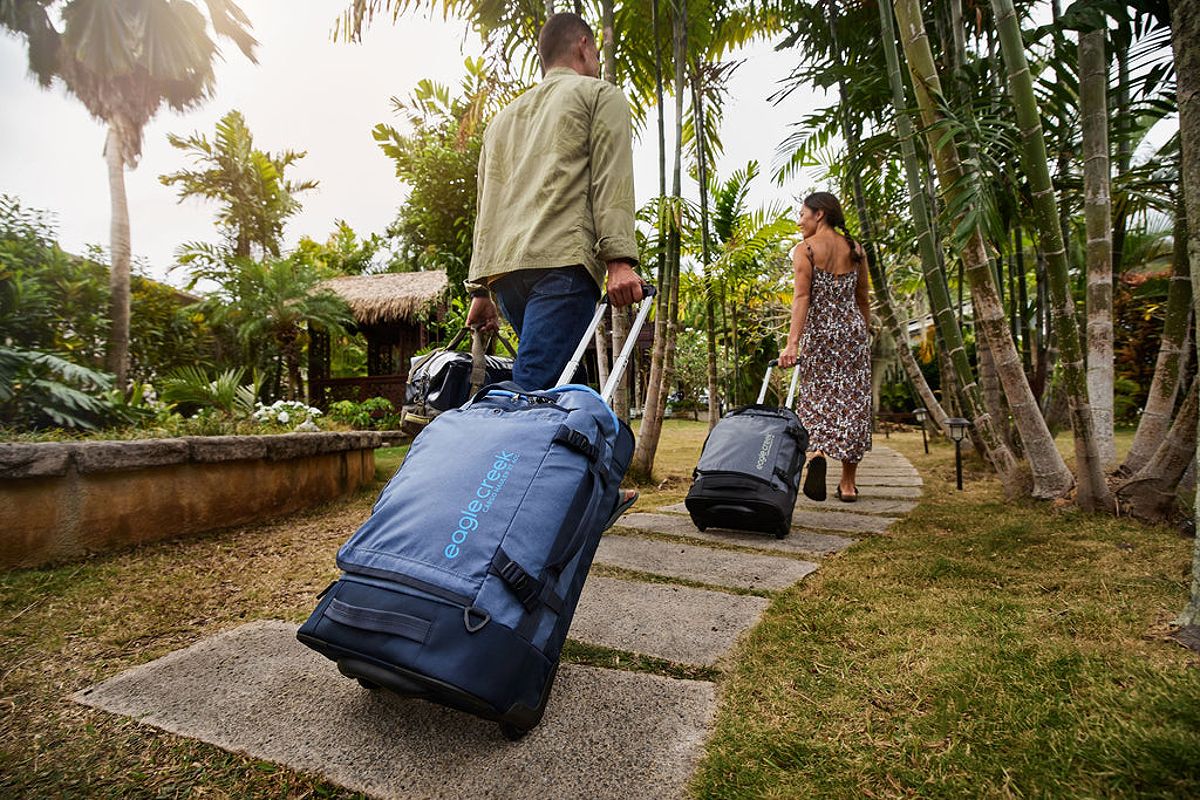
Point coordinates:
[[306, 93]]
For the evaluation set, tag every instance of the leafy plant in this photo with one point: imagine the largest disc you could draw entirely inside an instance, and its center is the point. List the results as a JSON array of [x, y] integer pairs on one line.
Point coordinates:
[[41, 390], [192, 388], [374, 412]]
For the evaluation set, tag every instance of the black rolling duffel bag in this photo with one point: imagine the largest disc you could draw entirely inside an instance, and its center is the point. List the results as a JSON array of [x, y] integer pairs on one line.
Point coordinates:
[[462, 584], [446, 378], [749, 470]]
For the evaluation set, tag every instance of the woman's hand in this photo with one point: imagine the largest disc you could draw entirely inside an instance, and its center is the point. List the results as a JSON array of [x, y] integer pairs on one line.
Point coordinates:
[[788, 356]]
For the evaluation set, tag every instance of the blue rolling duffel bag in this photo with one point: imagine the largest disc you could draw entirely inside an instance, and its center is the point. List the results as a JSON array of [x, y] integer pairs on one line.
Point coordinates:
[[749, 469], [460, 587]]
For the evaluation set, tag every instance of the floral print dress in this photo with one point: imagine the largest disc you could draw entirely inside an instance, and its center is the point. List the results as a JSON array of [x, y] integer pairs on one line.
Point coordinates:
[[834, 387]]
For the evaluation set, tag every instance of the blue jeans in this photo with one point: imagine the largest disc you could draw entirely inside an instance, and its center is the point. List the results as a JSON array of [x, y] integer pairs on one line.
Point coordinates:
[[549, 309]]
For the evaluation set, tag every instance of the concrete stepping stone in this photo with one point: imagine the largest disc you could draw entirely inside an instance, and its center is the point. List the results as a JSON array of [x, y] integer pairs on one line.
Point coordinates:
[[846, 522], [703, 564], [678, 623], [886, 473], [888, 480], [865, 505], [798, 541], [869, 491], [256, 690]]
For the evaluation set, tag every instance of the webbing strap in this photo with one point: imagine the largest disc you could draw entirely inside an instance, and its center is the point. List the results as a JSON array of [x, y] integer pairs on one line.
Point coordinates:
[[577, 442], [527, 588]]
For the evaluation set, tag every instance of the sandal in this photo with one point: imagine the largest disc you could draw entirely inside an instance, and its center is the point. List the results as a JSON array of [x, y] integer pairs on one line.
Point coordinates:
[[814, 481], [626, 502], [846, 498]]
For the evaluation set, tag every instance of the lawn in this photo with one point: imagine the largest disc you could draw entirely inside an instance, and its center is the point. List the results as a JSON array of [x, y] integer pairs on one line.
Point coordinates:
[[982, 648]]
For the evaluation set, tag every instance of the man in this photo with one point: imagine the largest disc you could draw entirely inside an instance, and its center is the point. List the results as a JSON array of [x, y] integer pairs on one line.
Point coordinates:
[[556, 210]]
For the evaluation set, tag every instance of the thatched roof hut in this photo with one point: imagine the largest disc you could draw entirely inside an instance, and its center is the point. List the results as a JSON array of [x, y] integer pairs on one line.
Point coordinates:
[[392, 312], [392, 296]]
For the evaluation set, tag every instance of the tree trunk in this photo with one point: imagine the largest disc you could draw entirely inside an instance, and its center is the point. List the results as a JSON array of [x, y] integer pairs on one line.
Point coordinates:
[[883, 295], [1160, 402], [710, 314], [1093, 91], [117, 355], [879, 280], [1185, 39], [601, 339], [1093, 493], [642, 465], [1124, 153], [1050, 479], [651, 420], [1152, 493], [620, 316], [1028, 320]]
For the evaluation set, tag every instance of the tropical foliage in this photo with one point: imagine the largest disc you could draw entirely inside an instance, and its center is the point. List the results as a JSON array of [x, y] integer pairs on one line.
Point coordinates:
[[436, 158]]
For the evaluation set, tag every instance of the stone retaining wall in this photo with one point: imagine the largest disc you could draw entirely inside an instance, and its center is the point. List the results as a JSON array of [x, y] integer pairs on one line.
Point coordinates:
[[63, 500]]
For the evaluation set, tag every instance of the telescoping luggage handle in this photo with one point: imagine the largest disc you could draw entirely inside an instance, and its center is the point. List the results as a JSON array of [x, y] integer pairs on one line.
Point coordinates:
[[762, 393], [618, 369]]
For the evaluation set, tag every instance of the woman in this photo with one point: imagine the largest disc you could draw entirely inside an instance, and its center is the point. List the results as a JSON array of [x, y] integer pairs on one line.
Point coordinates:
[[828, 343]]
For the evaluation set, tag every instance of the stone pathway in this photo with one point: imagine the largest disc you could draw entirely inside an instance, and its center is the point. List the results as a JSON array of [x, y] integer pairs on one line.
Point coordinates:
[[607, 733]]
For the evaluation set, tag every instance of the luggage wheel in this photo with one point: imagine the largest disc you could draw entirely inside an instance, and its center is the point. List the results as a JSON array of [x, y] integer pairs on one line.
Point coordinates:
[[781, 533], [514, 731]]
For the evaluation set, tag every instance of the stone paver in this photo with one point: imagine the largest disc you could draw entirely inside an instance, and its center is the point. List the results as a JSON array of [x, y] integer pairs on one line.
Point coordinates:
[[888, 492], [256, 690], [865, 505], [703, 564], [835, 474], [846, 522], [798, 541], [889, 480], [678, 623]]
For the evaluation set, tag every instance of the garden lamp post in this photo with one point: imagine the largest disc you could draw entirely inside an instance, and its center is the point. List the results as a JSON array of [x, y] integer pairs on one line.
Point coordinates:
[[958, 431], [921, 415]]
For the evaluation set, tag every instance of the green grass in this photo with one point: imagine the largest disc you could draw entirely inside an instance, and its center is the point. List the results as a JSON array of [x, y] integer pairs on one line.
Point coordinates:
[[982, 648]]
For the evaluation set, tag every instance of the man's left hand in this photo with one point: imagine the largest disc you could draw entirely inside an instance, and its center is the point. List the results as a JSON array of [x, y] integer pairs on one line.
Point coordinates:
[[624, 285]]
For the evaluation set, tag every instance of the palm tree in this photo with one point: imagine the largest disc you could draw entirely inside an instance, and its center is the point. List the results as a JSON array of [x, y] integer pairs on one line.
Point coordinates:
[[883, 296], [256, 199], [1093, 489], [1051, 477], [1160, 402], [1093, 100], [271, 304], [123, 59], [963, 376], [1185, 36]]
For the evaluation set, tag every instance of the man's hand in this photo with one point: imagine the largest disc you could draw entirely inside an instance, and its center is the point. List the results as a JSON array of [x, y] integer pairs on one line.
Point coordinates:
[[624, 285], [483, 315]]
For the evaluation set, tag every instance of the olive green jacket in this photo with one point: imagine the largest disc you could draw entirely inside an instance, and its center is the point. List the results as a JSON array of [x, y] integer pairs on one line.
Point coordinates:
[[556, 181]]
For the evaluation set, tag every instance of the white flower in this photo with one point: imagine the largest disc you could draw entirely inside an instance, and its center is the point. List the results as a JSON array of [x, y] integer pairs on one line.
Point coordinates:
[[283, 417]]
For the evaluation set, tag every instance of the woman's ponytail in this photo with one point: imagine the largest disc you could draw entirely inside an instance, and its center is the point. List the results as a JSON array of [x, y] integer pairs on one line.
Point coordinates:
[[856, 255], [824, 201]]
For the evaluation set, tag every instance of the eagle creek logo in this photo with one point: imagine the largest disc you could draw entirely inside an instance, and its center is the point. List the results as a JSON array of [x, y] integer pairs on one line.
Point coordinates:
[[764, 451], [485, 495]]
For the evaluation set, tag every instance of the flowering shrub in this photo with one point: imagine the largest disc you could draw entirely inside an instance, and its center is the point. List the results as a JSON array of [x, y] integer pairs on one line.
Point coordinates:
[[285, 413]]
